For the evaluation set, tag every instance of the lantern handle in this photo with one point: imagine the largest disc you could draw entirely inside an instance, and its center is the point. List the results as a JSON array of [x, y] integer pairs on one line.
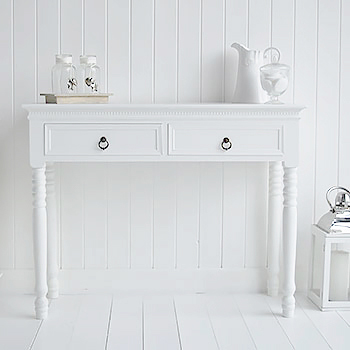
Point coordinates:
[[331, 190]]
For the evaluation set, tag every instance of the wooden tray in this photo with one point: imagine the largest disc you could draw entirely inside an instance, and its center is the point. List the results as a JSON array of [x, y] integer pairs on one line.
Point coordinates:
[[76, 98]]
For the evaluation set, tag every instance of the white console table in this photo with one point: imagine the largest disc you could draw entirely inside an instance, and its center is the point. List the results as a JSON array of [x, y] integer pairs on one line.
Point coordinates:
[[165, 133]]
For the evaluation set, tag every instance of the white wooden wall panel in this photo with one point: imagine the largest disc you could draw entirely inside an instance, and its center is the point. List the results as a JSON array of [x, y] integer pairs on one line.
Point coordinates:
[[236, 30], [187, 216], [234, 215], [212, 51], [183, 215], [72, 216], [142, 51], [189, 50], [141, 212], [7, 138], [344, 101], [282, 37], [119, 50], [164, 216], [165, 50], [305, 92], [327, 123], [25, 86], [118, 215], [210, 223]]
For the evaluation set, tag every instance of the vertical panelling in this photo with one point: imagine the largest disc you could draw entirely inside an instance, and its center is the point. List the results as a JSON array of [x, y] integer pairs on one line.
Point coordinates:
[[234, 220], [189, 50], [282, 23], [25, 91], [344, 127], [48, 42], [212, 55], [6, 138], [327, 101], [141, 211], [187, 215], [95, 212], [210, 223], [165, 51], [305, 93], [256, 214], [72, 184], [71, 15], [259, 37], [118, 215], [95, 35], [72, 216], [119, 22], [95, 216], [142, 51], [259, 28], [164, 216], [236, 22]]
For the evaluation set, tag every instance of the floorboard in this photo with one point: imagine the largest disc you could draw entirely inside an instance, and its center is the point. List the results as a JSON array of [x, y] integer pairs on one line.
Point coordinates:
[[228, 324], [160, 324], [195, 328], [300, 330], [263, 326], [166, 322], [57, 331], [333, 328], [18, 327], [126, 324]]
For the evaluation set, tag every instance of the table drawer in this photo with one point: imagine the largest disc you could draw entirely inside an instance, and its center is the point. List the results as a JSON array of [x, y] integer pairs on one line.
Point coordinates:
[[209, 139], [102, 139]]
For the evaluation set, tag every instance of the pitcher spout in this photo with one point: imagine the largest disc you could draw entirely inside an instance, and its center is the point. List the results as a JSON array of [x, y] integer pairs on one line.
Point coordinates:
[[239, 47]]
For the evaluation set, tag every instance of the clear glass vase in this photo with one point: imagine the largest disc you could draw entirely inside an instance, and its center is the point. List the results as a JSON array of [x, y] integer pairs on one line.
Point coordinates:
[[63, 75], [88, 75]]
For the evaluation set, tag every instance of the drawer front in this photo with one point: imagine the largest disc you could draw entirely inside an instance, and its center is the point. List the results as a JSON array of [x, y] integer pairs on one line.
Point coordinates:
[[87, 139], [224, 140]]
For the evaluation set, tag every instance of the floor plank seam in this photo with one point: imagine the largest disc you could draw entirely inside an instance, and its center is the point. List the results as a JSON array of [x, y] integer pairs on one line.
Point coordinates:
[[211, 325], [177, 324], [313, 324], [341, 316], [245, 323], [277, 320], [109, 323]]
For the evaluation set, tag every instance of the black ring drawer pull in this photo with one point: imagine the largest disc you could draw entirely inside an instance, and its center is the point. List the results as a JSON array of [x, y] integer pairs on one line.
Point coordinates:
[[103, 143], [226, 144]]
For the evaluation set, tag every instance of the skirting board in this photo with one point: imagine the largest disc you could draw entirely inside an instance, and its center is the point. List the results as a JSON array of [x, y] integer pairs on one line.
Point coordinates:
[[143, 281]]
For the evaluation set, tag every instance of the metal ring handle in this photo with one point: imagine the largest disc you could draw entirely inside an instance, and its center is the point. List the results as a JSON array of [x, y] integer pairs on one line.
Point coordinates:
[[333, 189], [226, 144], [103, 143]]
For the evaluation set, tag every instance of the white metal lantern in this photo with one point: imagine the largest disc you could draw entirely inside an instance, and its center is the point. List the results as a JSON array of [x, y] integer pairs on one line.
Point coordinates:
[[330, 260]]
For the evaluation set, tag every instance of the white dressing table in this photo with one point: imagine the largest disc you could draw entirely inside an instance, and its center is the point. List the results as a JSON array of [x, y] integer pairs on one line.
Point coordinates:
[[168, 133]]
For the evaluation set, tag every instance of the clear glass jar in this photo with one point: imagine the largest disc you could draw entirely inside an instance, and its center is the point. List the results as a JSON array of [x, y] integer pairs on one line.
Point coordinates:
[[63, 75], [88, 75]]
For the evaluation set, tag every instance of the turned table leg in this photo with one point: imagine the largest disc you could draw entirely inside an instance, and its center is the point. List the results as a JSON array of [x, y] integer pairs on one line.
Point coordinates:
[[274, 226], [289, 239], [40, 241], [52, 258]]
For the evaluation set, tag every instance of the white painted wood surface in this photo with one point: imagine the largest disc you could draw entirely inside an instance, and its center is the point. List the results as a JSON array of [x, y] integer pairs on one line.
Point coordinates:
[[135, 322], [32, 32]]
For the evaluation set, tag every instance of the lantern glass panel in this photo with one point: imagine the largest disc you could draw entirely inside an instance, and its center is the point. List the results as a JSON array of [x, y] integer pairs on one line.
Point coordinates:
[[339, 272], [317, 265]]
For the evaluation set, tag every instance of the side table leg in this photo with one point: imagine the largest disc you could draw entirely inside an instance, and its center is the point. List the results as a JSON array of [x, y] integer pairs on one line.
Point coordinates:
[[40, 241], [52, 258], [289, 239], [274, 226]]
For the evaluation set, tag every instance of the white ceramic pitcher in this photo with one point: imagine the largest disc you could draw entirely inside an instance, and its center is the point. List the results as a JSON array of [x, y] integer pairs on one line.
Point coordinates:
[[248, 86]]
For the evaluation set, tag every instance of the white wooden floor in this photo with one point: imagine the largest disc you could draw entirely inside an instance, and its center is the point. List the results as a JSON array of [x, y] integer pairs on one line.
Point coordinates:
[[187, 322]]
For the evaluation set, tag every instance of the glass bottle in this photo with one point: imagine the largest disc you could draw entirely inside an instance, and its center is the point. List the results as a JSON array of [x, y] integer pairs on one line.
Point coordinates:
[[88, 75], [63, 75]]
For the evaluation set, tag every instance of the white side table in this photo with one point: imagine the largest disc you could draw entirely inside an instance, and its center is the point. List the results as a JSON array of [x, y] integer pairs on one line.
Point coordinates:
[[165, 133]]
